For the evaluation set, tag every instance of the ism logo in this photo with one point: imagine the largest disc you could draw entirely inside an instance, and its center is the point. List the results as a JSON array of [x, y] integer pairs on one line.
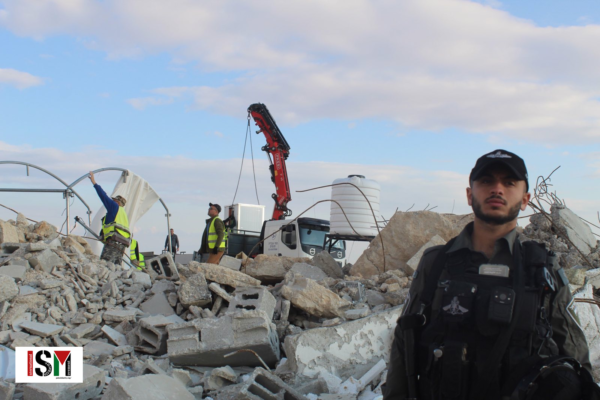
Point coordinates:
[[49, 364]]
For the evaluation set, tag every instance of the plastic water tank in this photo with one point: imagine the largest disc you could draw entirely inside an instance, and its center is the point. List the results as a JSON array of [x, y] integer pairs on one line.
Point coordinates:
[[355, 206]]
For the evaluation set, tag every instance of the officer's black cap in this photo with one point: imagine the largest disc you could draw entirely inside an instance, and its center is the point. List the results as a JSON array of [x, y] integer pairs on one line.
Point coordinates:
[[218, 207], [511, 160]]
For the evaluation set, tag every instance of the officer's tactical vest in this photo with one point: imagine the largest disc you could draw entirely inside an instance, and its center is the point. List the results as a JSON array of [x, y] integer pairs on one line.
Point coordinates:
[[118, 230], [213, 236], [485, 327]]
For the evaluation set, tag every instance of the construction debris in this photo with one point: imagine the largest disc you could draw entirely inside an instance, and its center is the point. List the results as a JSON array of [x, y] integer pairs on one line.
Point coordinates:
[[272, 328]]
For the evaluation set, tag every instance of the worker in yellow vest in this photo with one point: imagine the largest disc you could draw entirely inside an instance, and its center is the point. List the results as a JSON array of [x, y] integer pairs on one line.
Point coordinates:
[[214, 236], [115, 226], [135, 256]]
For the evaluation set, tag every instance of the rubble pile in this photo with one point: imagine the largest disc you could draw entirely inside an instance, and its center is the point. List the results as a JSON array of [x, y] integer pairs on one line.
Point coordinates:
[[265, 328]]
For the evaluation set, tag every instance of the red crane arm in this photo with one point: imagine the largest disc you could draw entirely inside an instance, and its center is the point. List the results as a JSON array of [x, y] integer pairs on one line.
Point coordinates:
[[278, 150]]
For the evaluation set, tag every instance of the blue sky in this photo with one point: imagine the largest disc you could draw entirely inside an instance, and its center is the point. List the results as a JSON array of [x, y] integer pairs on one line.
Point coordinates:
[[409, 93]]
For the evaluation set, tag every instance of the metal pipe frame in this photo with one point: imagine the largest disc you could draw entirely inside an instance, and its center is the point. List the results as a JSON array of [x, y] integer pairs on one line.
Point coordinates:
[[66, 191]]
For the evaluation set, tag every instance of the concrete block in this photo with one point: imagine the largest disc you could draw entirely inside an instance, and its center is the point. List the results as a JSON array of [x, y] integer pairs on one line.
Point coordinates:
[[157, 305], [17, 272], [222, 275], [114, 336], [82, 330], [90, 388], [25, 290], [11, 247], [231, 263], [261, 385], [413, 263], [43, 330], [152, 334], [344, 350], [313, 298], [253, 298], [219, 377], [8, 288], [37, 246], [96, 348], [46, 260], [205, 342], [19, 261], [194, 291], [219, 291], [8, 233], [147, 387], [164, 265]]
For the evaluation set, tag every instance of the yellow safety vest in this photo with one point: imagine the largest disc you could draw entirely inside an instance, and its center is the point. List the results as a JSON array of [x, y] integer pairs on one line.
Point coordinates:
[[118, 228], [213, 236], [133, 256]]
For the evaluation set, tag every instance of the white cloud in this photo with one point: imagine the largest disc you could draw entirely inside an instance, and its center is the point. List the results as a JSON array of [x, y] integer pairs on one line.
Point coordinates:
[[427, 64], [19, 79]]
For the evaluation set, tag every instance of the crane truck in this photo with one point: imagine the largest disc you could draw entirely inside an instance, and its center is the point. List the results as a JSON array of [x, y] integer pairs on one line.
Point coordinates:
[[303, 237]]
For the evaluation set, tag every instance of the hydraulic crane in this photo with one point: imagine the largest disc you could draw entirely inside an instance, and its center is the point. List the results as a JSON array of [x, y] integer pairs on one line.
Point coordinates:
[[278, 150]]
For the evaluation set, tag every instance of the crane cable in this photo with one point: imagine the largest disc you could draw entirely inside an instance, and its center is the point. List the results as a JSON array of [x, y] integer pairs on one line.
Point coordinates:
[[242, 164]]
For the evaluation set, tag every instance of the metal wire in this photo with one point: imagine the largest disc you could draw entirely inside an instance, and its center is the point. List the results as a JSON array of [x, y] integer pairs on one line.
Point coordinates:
[[253, 171], [242, 165]]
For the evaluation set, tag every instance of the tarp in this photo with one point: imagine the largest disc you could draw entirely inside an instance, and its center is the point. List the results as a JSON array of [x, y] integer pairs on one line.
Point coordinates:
[[140, 198], [7, 363]]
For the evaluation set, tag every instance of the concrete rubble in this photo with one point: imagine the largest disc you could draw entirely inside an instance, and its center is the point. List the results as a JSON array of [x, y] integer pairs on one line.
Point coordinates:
[[265, 328]]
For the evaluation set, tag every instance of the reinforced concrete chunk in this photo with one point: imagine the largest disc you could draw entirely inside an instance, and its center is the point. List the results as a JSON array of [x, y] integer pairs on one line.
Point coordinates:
[[231, 263], [90, 388], [261, 385], [205, 342], [194, 291], [344, 350], [147, 387], [164, 265], [222, 275], [253, 298]]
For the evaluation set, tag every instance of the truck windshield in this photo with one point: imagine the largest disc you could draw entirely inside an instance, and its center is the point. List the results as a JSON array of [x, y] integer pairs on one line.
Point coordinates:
[[314, 235]]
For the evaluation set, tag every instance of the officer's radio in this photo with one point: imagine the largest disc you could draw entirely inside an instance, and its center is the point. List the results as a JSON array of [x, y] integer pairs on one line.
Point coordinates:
[[502, 304]]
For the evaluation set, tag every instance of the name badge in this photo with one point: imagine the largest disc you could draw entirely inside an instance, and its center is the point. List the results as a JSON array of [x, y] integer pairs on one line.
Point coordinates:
[[494, 270]]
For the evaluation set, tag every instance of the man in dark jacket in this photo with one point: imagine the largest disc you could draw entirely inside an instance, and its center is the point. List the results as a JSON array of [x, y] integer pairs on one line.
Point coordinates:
[[214, 236], [174, 242], [459, 337], [115, 226]]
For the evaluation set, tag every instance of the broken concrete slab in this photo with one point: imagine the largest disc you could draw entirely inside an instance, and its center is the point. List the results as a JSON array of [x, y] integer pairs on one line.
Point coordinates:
[[142, 278], [96, 348], [313, 298], [17, 272], [219, 378], [90, 388], [8, 288], [25, 290], [82, 330], [46, 260], [164, 265], [576, 230], [413, 263], [222, 275], [157, 305], [147, 387], [205, 342], [589, 320], [8, 233], [219, 291], [327, 264], [119, 315], [114, 336], [7, 390], [42, 330], [261, 385], [194, 291], [351, 348], [231, 262], [403, 235], [309, 271]]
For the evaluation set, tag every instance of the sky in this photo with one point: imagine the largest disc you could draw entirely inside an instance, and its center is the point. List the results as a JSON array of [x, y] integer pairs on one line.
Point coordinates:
[[408, 93]]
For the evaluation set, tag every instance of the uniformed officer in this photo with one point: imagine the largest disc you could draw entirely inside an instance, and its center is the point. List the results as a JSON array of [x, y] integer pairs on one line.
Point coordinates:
[[484, 309], [115, 226]]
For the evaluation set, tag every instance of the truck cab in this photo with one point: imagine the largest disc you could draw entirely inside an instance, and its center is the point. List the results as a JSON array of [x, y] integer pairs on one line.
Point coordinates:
[[303, 237]]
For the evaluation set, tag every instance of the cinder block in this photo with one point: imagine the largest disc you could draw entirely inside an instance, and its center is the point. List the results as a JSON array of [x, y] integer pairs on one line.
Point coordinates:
[[152, 334], [91, 387], [231, 263], [261, 385], [164, 265], [46, 260], [252, 298], [205, 342]]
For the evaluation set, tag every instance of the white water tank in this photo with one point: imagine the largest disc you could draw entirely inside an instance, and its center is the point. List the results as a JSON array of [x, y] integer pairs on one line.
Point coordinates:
[[355, 206]]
